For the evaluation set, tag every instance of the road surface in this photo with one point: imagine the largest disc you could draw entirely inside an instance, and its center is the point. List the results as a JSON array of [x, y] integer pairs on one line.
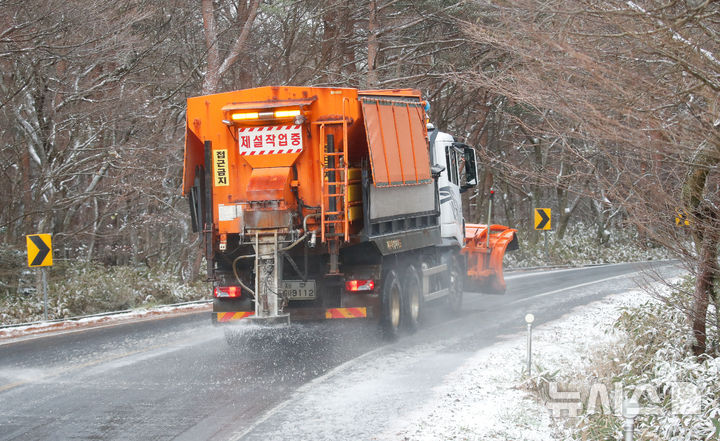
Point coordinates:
[[178, 379]]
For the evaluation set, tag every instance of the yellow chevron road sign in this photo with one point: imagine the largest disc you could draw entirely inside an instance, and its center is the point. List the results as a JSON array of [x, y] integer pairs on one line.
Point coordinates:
[[542, 219], [39, 250]]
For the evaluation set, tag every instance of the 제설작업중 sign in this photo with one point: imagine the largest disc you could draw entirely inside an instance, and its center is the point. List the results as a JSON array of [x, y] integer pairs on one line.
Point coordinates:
[[270, 140]]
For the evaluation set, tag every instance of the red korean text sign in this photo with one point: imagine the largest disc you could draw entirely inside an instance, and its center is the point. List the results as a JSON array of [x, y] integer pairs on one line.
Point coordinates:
[[270, 140]]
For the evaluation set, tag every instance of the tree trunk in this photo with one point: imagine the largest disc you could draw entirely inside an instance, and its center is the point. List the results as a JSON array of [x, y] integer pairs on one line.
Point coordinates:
[[212, 78], [704, 221], [372, 46], [27, 193], [565, 210], [215, 69], [716, 301], [707, 270]]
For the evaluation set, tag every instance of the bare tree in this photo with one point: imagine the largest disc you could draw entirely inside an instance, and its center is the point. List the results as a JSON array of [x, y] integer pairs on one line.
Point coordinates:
[[636, 81], [237, 19]]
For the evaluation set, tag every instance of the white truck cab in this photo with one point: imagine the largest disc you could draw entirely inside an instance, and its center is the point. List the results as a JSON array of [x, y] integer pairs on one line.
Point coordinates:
[[459, 173]]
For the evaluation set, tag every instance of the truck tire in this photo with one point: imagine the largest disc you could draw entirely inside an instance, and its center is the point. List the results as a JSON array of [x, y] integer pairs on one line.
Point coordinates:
[[413, 298], [392, 305], [454, 299]]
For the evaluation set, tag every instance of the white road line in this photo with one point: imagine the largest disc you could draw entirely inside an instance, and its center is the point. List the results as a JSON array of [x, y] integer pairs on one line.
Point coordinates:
[[535, 273], [549, 293], [518, 273]]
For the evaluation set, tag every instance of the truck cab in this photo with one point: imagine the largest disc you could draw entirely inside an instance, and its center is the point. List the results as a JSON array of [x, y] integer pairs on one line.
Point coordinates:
[[459, 173]]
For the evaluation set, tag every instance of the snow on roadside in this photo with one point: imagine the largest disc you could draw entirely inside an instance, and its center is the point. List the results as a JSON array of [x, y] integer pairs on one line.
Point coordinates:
[[485, 399], [106, 320]]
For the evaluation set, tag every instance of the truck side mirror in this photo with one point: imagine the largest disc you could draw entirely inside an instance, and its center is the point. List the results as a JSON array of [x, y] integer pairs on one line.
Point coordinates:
[[471, 166], [471, 174]]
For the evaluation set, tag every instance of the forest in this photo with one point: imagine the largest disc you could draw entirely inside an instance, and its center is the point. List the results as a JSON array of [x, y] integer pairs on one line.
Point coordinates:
[[606, 111]]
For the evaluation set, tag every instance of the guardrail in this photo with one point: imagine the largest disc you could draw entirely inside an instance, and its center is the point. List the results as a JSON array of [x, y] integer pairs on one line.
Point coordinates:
[[586, 265], [101, 314], [548, 267]]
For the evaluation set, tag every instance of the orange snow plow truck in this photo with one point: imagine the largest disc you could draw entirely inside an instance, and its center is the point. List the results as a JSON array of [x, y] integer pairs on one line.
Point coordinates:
[[333, 203]]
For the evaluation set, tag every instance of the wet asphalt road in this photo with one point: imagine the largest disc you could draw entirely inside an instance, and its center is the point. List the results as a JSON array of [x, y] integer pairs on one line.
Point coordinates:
[[177, 378]]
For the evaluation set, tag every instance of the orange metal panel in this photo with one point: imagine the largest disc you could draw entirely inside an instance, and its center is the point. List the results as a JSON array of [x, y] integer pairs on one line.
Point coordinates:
[[253, 105], [396, 136], [204, 123], [405, 144], [396, 133], [391, 93], [418, 132], [378, 160], [392, 148], [268, 184]]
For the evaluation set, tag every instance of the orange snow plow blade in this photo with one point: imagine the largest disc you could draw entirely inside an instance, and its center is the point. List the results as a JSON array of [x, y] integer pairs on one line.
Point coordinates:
[[485, 264]]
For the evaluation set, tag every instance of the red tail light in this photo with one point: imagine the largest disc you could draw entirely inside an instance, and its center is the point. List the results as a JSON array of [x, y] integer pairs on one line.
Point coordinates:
[[226, 291], [359, 285]]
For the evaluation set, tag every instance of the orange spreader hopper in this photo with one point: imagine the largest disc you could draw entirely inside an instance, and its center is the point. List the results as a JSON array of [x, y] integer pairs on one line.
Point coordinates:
[[485, 264]]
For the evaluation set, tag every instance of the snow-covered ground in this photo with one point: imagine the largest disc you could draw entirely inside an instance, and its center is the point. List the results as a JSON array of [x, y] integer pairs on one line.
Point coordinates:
[[99, 321], [483, 396], [487, 397]]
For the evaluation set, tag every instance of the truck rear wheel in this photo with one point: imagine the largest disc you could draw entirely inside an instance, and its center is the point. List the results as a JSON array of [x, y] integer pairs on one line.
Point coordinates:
[[412, 290], [392, 305]]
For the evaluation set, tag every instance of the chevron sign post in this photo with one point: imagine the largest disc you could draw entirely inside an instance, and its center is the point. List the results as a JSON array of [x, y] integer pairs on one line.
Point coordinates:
[[39, 250], [543, 222]]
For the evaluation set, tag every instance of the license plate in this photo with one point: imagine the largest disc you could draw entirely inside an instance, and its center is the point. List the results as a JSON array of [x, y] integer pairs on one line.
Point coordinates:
[[298, 290]]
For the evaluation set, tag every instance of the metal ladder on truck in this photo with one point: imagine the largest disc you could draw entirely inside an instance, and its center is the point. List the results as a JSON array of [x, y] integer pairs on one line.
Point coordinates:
[[333, 205]]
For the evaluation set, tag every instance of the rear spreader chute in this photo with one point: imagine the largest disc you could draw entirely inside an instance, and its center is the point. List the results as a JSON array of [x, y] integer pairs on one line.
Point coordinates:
[[485, 256]]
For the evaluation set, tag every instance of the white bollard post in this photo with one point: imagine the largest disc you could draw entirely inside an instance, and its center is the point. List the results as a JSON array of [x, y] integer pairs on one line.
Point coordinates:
[[529, 319], [630, 410]]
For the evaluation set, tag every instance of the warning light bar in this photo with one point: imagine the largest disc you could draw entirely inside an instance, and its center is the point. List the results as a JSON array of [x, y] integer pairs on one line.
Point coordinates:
[[287, 113], [278, 114], [359, 285], [226, 291], [245, 115]]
